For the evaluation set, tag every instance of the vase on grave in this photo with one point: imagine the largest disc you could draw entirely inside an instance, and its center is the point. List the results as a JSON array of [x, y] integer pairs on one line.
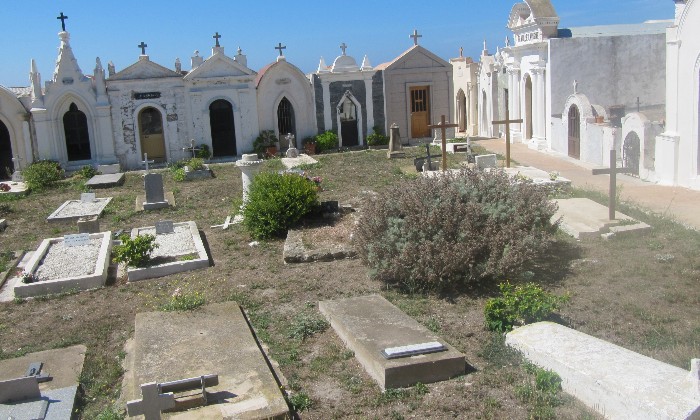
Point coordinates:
[[310, 148], [395, 148], [249, 166], [271, 151]]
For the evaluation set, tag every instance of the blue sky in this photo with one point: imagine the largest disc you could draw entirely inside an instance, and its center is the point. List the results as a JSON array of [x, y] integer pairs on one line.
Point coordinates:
[[310, 30]]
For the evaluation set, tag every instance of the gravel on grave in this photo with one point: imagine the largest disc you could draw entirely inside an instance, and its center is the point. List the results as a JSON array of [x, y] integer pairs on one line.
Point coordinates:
[[76, 208], [62, 261], [171, 244]]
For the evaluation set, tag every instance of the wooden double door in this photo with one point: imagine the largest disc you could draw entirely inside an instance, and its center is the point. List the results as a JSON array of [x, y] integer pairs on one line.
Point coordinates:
[[420, 111]]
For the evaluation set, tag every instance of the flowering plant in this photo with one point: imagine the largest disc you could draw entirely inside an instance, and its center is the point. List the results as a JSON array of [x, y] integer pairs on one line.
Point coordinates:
[[4, 187], [28, 277]]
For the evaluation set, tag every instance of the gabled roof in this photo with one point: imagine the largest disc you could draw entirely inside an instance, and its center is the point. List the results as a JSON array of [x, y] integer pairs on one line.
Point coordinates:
[[219, 65], [144, 69], [414, 57]]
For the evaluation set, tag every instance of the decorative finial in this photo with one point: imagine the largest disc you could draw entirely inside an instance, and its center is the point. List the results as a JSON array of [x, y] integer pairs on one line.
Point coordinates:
[[575, 86], [63, 18], [143, 46], [217, 37], [240, 51], [280, 47], [343, 47], [415, 36]]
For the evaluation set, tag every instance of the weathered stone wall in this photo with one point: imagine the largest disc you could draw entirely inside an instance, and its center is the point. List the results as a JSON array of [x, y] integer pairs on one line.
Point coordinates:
[[378, 99]]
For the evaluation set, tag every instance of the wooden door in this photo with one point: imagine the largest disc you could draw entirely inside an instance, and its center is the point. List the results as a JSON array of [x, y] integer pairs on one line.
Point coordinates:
[[420, 112], [574, 132], [6, 164], [151, 133]]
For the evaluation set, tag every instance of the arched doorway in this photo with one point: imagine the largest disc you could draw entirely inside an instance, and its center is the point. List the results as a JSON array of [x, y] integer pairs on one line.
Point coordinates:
[[630, 153], [6, 165], [574, 132], [151, 134], [285, 121], [528, 108], [75, 127], [223, 129], [462, 111], [348, 123]]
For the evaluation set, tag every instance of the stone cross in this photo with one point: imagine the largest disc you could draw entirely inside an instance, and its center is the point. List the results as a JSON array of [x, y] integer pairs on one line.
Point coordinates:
[[192, 148], [613, 171], [152, 402], [145, 161], [415, 36], [507, 122], [217, 37], [443, 126], [280, 48], [343, 47], [63, 18], [143, 46], [575, 86]]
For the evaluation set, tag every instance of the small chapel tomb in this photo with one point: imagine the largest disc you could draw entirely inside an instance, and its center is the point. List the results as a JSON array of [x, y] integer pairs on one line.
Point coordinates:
[[585, 219], [395, 350], [616, 382], [171, 350], [72, 210], [180, 248], [73, 262]]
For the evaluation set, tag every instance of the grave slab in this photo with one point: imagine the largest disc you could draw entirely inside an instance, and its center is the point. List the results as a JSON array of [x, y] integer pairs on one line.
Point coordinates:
[[72, 210], [108, 169], [302, 159], [370, 324], [214, 339], [539, 177], [58, 394], [106, 180], [617, 382], [585, 219], [16, 188]]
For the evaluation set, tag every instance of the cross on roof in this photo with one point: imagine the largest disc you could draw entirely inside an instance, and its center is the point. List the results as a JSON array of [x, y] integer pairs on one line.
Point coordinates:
[[638, 103], [63, 18], [415, 36], [217, 37], [343, 47], [143, 46], [280, 47], [151, 403]]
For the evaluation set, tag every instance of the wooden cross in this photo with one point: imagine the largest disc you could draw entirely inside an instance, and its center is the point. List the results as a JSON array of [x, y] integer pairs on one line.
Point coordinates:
[[280, 47], [343, 47], [152, 402], [217, 37], [145, 161], [143, 47], [63, 18], [415, 36], [613, 171], [507, 122], [443, 126]]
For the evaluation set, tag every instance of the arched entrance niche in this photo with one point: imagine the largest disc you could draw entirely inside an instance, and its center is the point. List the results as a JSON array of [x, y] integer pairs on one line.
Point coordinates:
[[349, 120], [151, 134], [223, 129], [462, 111], [77, 134], [631, 153], [286, 122], [484, 115], [574, 132], [7, 166], [528, 108]]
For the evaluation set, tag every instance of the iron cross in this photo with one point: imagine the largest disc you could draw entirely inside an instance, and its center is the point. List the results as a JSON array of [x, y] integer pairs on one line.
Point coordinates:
[[217, 37], [507, 122], [415, 36], [613, 171], [63, 18], [280, 48], [143, 47], [343, 47], [443, 126]]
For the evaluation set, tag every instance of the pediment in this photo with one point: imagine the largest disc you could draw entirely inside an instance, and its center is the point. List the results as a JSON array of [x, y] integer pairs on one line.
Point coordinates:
[[418, 58], [144, 69], [218, 66]]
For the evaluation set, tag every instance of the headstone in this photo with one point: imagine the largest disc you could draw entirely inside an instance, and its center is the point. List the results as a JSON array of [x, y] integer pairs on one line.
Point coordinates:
[[485, 161], [89, 224], [395, 149], [329, 207], [87, 197], [79, 239], [151, 403], [164, 227], [108, 169], [292, 152], [155, 194], [19, 389]]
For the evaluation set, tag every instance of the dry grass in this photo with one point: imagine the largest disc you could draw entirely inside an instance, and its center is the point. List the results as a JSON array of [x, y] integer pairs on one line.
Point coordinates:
[[621, 292]]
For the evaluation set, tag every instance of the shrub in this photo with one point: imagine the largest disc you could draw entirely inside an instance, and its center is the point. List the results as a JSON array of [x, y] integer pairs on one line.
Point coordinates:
[[87, 172], [184, 301], [135, 252], [300, 401], [195, 164], [204, 152], [42, 174], [326, 141], [305, 326], [179, 174], [520, 305], [441, 233], [276, 202], [377, 138], [265, 139]]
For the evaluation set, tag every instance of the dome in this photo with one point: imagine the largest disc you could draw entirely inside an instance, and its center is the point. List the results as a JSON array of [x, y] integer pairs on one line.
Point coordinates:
[[344, 64]]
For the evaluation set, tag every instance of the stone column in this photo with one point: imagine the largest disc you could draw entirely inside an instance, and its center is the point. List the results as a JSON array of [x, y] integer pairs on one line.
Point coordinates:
[[327, 122], [369, 102], [249, 166]]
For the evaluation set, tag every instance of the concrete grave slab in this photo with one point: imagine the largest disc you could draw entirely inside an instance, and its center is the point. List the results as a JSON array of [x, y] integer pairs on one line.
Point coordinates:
[[169, 202], [617, 382], [72, 210], [108, 169], [106, 180], [302, 159], [486, 161], [57, 396], [214, 339], [585, 219], [370, 324], [184, 240], [539, 177], [16, 188]]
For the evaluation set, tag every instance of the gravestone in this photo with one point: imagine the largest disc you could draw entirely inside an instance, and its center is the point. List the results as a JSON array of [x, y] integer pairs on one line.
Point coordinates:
[[164, 227], [155, 192], [88, 197], [109, 169], [485, 161], [375, 329], [89, 224], [151, 403], [395, 149]]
